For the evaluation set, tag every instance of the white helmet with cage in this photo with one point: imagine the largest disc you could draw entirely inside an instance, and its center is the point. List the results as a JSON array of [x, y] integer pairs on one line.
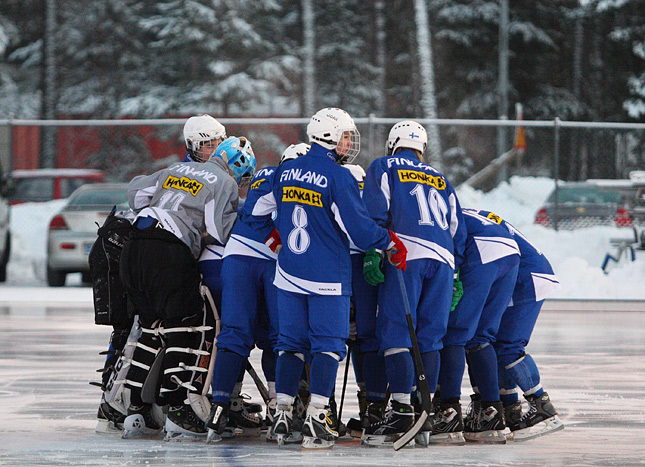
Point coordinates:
[[294, 151], [201, 130], [334, 129], [406, 134]]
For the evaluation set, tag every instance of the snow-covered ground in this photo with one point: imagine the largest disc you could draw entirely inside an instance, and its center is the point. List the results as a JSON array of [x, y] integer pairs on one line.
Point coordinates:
[[576, 255]]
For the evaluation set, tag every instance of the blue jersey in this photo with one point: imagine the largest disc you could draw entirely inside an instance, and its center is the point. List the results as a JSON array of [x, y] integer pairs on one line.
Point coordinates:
[[535, 280], [319, 209], [419, 205], [250, 232], [487, 241]]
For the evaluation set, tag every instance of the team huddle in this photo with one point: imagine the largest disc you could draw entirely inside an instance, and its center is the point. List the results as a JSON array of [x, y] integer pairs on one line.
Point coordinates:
[[323, 261]]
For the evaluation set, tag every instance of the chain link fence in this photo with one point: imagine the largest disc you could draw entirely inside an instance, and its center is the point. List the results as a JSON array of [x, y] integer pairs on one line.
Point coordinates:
[[566, 151]]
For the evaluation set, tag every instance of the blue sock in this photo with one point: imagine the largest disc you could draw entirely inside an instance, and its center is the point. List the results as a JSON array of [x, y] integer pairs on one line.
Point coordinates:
[[400, 372], [323, 374], [358, 358], [287, 374], [225, 374], [453, 364], [431, 363], [525, 373], [482, 362], [507, 387], [268, 364], [374, 375]]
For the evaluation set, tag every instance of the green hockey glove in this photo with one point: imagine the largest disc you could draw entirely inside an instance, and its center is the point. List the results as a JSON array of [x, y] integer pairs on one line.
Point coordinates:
[[457, 291], [372, 268]]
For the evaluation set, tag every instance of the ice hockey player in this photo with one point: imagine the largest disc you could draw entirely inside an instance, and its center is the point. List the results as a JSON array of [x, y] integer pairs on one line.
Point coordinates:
[[487, 277], [535, 282], [417, 202], [247, 260], [318, 209], [180, 207]]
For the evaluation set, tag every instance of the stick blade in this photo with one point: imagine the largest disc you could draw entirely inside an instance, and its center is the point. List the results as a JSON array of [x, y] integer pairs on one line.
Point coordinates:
[[411, 433]]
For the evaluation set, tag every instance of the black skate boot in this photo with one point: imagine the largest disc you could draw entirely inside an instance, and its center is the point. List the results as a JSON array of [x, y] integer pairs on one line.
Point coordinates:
[[354, 426], [183, 424], [281, 423], [374, 413], [241, 422], [318, 431], [486, 424], [448, 425], [140, 423], [398, 420], [110, 420], [216, 422], [540, 419], [512, 415], [336, 424]]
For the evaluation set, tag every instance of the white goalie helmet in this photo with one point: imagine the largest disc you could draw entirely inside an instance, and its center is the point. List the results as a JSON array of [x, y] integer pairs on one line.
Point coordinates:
[[200, 130], [294, 151], [334, 129], [406, 134], [357, 171]]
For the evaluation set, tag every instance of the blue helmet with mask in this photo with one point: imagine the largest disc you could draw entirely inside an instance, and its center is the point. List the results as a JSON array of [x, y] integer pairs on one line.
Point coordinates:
[[238, 154]]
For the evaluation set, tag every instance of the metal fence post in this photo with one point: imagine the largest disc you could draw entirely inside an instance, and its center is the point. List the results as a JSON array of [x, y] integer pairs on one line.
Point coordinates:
[[556, 169], [372, 134]]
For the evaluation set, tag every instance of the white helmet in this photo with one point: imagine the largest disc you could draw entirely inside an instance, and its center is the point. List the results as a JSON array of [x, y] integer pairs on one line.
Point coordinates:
[[328, 126], [357, 171], [294, 151], [406, 134], [199, 130]]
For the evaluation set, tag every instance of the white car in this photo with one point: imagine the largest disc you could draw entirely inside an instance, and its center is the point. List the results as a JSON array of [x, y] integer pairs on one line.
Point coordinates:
[[72, 232]]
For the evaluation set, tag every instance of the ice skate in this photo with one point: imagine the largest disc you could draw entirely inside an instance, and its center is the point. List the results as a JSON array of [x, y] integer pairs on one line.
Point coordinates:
[[318, 431], [448, 426], [398, 419], [282, 423], [374, 413], [216, 422], [183, 424], [485, 422], [141, 423], [241, 422], [109, 419], [540, 419], [270, 417]]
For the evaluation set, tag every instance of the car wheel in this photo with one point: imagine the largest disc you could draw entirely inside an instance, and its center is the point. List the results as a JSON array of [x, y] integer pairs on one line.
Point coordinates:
[[5, 259], [55, 278]]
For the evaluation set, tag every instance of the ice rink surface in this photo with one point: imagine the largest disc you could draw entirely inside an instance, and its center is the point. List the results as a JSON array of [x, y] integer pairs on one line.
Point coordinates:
[[591, 356]]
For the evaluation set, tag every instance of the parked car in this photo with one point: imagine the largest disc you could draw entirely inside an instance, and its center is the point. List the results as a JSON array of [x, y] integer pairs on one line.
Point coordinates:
[[72, 231], [47, 184], [6, 188], [583, 204]]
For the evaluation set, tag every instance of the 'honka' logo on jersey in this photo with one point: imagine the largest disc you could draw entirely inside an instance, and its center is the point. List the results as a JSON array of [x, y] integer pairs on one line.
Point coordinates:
[[495, 218], [295, 194], [422, 177], [256, 184], [183, 183]]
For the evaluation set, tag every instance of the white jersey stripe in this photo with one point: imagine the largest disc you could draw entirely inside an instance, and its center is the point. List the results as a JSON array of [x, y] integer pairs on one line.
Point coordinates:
[[493, 248], [285, 281], [238, 245], [419, 248]]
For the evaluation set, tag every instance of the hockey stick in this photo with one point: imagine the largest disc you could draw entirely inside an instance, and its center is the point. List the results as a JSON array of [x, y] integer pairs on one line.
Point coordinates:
[[209, 302], [264, 392], [422, 382], [342, 394]]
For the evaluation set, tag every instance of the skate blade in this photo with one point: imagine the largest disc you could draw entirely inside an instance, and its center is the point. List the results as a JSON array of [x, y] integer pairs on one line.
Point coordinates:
[[280, 439], [309, 442], [238, 432], [422, 439], [180, 437], [213, 437], [383, 440], [146, 433], [486, 437], [107, 427], [452, 439], [544, 427]]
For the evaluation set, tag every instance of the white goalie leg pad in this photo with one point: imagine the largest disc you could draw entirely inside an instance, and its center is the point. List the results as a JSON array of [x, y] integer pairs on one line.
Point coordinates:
[[113, 394], [200, 404]]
